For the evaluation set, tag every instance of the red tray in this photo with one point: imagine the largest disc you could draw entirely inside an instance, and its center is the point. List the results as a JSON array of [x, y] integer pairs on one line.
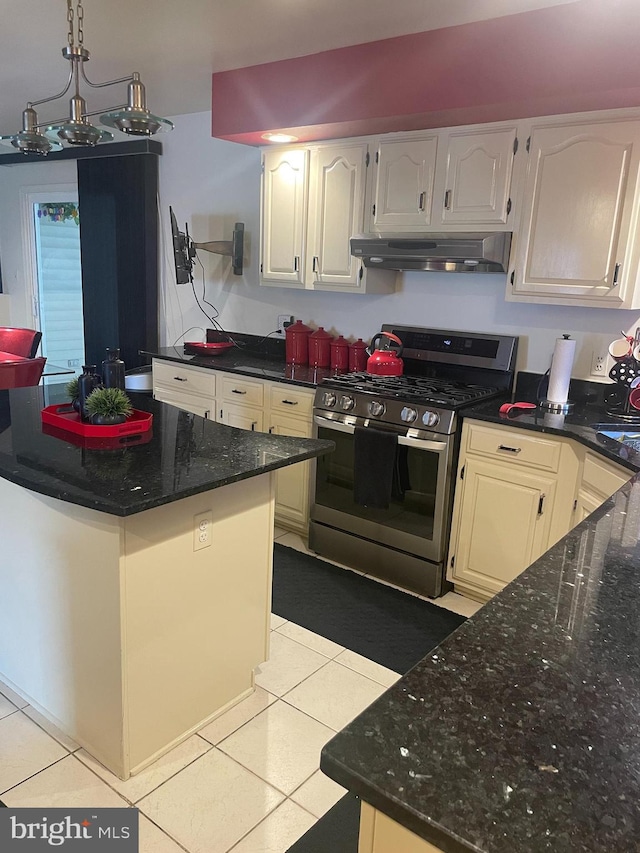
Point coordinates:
[[101, 443], [198, 348], [65, 418]]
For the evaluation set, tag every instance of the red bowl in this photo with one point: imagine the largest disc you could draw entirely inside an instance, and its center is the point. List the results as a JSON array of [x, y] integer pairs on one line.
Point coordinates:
[[216, 348]]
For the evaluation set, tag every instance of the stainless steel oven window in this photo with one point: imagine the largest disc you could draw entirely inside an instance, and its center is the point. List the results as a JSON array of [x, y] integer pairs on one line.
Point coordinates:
[[415, 521]]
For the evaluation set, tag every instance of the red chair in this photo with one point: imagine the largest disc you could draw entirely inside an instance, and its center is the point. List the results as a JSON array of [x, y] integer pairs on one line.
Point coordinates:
[[22, 342], [21, 373]]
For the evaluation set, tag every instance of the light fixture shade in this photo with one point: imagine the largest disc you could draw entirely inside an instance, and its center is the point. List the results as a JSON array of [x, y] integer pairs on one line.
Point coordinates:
[[30, 142], [136, 121], [78, 133]]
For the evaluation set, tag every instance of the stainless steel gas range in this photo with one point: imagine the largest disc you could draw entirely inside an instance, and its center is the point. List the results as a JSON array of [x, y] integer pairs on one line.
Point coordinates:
[[383, 499]]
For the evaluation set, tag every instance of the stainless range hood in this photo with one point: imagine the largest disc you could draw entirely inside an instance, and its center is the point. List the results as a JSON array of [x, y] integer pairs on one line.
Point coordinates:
[[486, 252]]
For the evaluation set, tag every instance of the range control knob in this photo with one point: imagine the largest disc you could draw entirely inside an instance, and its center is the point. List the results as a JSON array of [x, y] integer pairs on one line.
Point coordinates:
[[430, 419], [408, 414], [328, 399], [347, 402], [376, 408]]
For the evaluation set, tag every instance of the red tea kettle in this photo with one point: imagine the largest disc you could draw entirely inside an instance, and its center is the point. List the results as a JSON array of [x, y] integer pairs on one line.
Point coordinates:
[[385, 361]]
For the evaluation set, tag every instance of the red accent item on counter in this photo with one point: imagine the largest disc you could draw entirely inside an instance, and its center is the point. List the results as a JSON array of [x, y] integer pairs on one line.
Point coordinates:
[[358, 356], [65, 418], [320, 348], [339, 354], [297, 343]]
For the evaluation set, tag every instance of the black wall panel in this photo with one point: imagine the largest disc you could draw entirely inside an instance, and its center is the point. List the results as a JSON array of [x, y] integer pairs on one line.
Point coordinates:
[[119, 247]]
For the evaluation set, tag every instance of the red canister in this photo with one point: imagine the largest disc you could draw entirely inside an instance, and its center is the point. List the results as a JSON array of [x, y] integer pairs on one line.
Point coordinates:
[[320, 348], [297, 343], [358, 356], [339, 354]]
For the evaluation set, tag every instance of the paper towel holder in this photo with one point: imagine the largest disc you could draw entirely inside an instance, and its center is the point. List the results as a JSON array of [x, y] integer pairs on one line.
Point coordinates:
[[553, 407]]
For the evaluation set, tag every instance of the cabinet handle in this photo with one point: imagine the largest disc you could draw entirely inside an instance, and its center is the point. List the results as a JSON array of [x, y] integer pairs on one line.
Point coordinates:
[[270, 430], [290, 402], [316, 264], [206, 414], [179, 378], [616, 274], [421, 200], [253, 425], [296, 263], [541, 504], [235, 391], [447, 200], [510, 449]]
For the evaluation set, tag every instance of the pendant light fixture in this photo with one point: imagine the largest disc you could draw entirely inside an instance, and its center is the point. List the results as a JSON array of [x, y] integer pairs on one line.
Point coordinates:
[[132, 118]]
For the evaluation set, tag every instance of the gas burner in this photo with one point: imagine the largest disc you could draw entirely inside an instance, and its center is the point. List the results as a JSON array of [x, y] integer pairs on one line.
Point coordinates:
[[416, 389]]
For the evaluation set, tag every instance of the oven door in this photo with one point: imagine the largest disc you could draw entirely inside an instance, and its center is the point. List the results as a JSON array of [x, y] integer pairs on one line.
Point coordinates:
[[416, 520]]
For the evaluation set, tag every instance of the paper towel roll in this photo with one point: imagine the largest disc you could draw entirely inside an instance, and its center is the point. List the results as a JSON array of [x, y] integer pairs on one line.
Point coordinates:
[[560, 373]]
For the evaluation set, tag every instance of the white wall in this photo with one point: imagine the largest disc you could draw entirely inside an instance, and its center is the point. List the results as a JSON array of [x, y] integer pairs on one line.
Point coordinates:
[[211, 183], [15, 302]]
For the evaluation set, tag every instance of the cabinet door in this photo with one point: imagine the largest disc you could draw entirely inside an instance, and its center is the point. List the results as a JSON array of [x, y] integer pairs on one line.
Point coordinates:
[[404, 184], [336, 213], [577, 214], [292, 483], [284, 203], [243, 417], [478, 176], [504, 520]]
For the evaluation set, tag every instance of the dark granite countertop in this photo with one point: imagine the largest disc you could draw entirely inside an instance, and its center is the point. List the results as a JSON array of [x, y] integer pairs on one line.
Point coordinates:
[[521, 731], [248, 361], [185, 456]]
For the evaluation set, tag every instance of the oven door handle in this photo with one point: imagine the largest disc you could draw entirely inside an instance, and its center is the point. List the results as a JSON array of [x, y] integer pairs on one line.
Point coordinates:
[[418, 443]]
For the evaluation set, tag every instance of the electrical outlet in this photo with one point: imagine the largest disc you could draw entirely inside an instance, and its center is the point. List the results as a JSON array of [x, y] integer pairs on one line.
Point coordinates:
[[599, 363], [284, 320], [202, 530]]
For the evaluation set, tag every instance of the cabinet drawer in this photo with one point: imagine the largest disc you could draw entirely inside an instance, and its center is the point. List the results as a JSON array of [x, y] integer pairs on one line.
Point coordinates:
[[243, 391], [189, 402], [189, 379], [291, 401], [602, 477], [515, 446]]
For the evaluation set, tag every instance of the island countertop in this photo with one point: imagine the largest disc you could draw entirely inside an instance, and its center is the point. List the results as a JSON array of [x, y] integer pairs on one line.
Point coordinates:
[[521, 731], [185, 456]]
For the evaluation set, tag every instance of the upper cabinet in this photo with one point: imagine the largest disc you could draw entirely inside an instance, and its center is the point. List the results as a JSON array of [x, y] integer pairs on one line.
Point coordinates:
[[458, 179], [477, 176], [404, 178], [312, 204], [575, 243], [284, 215]]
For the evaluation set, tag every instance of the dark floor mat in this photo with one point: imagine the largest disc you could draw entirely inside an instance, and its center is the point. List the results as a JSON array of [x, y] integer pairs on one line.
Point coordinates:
[[384, 624], [336, 832]]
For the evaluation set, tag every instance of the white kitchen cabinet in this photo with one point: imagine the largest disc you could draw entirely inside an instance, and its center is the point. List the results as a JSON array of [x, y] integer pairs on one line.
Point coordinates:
[[252, 404], [290, 413], [477, 177], [599, 479], [514, 499], [381, 834], [190, 388], [285, 175], [403, 183], [576, 236], [313, 200], [459, 178]]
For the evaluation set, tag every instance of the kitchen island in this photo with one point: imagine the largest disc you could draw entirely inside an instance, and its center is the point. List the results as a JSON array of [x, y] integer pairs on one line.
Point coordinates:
[[521, 731], [122, 619]]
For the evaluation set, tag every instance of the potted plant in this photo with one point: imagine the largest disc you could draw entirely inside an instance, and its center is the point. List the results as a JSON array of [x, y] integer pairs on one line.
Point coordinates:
[[108, 406], [73, 392]]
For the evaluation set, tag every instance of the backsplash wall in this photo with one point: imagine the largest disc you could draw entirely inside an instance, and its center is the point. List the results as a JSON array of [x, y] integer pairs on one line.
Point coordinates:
[[212, 183]]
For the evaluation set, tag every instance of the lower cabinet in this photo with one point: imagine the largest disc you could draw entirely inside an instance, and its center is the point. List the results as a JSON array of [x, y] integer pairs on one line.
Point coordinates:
[[381, 834], [251, 404], [517, 493]]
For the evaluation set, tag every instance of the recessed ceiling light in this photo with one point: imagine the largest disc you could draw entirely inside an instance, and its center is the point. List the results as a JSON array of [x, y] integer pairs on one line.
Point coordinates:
[[279, 137]]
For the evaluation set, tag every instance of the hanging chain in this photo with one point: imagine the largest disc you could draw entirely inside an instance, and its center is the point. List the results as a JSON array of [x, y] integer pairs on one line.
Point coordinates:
[[80, 20], [70, 19], [80, 23]]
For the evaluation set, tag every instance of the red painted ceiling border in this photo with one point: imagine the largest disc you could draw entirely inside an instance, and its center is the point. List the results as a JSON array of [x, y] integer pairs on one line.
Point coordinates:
[[580, 56]]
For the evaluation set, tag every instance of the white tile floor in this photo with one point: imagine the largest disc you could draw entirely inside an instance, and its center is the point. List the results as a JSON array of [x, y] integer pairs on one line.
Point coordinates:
[[248, 782]]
